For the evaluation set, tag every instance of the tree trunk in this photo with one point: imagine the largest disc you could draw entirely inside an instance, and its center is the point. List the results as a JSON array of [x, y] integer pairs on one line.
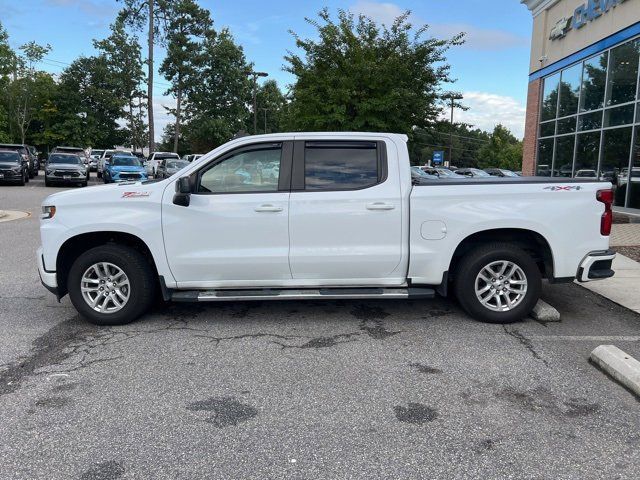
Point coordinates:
[[150, 80], [177, 128], [132, 122]]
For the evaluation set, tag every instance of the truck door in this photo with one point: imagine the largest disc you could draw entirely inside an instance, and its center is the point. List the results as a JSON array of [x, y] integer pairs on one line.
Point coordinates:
[[345, 214], [235, 231]]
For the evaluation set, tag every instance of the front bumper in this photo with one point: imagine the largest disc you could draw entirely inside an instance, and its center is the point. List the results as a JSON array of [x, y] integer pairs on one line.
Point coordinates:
[[47, 277], [66, 181], [596, 266], [123, 177], [10, 176]]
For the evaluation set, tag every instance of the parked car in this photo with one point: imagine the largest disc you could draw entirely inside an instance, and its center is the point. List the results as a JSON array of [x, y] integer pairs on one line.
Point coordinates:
[[13, 167], [442, 172], [342, 221], [417, 175], [154, 160], [106, 155], [624, 175], [34, 154], [500, 172], [585, 173], [94, 158], [124, 168], [191, 157], [79, 151], [26, 154], [65, 169], [472, 172], [166, 168]]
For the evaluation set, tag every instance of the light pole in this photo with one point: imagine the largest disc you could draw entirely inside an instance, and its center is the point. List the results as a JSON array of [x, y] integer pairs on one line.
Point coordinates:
[[264, 109], [255, 76]]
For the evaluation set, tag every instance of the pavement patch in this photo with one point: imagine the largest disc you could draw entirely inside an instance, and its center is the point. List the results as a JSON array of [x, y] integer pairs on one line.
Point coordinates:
[[110, 470], [426, 369], [228, 411], [8, 215], [620, 366], [415, 413]]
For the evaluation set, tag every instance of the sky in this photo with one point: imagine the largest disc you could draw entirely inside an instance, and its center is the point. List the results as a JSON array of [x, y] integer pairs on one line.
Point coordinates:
[[490, 69]]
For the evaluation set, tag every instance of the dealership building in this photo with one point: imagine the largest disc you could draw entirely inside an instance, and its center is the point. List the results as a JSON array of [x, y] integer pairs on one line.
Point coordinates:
[[583, 105]]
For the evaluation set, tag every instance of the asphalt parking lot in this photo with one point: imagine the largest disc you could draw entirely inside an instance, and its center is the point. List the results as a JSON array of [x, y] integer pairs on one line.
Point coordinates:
[[350, 389]]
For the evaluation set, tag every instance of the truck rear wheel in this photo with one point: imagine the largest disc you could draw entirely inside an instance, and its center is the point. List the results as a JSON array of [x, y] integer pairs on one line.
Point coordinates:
[[111, 285], [497, 283]]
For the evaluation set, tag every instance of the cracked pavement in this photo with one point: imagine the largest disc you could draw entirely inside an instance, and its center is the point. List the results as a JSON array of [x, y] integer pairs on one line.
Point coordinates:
[[349, 389]]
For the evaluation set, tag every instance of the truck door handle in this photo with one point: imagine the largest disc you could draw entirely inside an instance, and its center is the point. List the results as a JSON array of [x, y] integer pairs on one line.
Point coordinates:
[[268, 208], [380, 206]]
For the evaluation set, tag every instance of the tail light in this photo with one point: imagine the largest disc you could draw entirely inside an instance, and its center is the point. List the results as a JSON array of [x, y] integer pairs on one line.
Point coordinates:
[[606, 197]]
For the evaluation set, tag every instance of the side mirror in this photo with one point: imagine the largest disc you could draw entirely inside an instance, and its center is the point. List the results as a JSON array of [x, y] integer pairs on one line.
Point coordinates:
[[183, 192]]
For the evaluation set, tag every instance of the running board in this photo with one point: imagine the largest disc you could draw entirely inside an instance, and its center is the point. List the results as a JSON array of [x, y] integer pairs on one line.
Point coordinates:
[[301, 294]]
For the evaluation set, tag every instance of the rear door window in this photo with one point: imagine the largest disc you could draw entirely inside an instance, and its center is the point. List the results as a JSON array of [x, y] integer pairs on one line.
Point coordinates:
[[341, 165]]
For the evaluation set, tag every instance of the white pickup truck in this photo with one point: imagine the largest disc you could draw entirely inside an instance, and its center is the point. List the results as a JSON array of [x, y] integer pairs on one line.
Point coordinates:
[[321, 216]]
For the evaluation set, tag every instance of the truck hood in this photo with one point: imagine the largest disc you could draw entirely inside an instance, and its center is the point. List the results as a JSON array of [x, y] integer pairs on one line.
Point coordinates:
[[101, 194]]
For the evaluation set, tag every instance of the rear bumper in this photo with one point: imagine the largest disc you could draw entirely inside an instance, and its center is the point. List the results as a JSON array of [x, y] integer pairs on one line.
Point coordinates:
[[47, 277], [596, 266]]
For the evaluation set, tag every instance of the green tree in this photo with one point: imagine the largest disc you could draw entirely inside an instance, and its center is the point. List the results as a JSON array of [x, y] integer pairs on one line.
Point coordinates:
[[186, 29], [122, 53], [87, 104], [359, 76], [272, 108], [503, 151], [7, 59], [219, 93], [23, 99]]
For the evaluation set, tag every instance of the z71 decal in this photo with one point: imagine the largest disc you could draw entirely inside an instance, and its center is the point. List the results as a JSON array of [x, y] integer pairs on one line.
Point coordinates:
[[566, 188], [135, 194]]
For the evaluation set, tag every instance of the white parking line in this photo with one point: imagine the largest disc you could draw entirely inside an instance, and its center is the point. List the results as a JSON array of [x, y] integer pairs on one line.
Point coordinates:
[[587, 338]]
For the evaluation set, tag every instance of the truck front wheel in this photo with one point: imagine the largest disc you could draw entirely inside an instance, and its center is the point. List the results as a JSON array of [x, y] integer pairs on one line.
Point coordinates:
[[497, 283], [111, 285]]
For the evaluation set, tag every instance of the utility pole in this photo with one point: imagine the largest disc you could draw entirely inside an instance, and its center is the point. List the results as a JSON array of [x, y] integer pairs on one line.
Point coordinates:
[[452, 97], [255, 76]]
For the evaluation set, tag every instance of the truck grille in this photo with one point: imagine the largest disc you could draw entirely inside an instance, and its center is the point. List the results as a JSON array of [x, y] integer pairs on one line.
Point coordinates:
[[130, 176]]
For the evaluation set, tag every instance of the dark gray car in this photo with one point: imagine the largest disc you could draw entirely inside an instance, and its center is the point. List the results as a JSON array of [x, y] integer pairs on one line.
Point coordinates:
[[65, 169], [13, 167]]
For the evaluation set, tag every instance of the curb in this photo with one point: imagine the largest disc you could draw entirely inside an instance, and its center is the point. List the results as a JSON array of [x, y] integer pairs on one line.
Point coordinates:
[[620, 366], [543, 312]]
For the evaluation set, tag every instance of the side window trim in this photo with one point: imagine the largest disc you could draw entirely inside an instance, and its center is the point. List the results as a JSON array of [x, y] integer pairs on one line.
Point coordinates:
[[284, 174], [298, 168]]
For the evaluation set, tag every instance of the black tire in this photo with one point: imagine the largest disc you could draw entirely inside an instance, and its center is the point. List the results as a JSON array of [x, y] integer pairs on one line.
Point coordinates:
[[22, 179], [46, 182], [472, 264], [99, 174], [83, 184], [135, 266]]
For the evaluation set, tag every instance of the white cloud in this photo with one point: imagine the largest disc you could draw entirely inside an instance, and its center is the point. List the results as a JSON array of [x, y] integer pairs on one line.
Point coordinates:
[[476, 38], [486, 110], [160, 114]]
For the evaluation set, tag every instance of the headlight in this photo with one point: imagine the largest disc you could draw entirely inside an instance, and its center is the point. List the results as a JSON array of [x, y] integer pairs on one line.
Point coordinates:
[[48, 211], [49, 171], [16, 169]]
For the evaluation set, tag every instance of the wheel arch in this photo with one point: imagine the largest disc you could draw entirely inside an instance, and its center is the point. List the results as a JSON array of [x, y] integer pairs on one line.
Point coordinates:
[[531, 241], [75, 246]]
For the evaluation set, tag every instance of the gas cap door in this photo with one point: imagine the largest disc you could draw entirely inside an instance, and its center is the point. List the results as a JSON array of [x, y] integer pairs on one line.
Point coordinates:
[[433, 230]]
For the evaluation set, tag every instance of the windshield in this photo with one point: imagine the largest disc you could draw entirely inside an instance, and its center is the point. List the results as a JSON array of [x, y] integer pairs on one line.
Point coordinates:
[[112, 153], [165, 156], [97, 153], [177, 164], [508, 173], [65, 159], [9, 157], [586, 173], [479, 173], [125, 162]]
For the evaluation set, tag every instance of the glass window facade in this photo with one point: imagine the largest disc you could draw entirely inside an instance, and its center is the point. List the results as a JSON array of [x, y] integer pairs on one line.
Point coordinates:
[[590, 122]]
